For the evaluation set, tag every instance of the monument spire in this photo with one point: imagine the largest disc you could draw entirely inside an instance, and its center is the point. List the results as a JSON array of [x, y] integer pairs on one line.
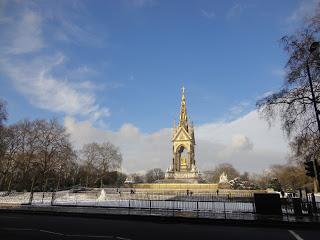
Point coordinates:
[[182, 167], [183, 110]]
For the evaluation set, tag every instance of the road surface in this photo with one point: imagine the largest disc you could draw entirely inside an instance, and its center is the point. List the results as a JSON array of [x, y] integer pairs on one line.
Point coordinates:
[[25, 226]]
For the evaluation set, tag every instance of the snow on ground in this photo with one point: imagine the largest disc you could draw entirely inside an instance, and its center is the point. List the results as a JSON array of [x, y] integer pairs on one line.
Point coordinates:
[[14, 197], [94, 198]]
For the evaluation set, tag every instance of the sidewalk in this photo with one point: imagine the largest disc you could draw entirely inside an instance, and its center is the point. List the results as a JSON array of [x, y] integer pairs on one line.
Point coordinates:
[[169, 215]]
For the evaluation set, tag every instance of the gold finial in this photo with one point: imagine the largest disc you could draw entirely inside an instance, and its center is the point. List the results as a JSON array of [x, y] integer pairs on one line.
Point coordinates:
[[182, 89]]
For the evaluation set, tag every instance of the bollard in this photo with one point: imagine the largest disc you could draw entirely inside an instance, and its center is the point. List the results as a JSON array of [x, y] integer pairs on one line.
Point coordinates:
[[253, 207], [173, 208], [297, 206], [314, 204], [300, 193], [309, 207], [31, 198], [52, 198]]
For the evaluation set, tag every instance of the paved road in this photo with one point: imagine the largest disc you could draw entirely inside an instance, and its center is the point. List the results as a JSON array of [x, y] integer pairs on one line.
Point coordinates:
[[20, 226]]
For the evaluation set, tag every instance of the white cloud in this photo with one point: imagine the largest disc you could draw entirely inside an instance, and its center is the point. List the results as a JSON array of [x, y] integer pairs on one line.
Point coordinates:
[[140, 3], [241, 142], [140, 151], [235, 11], [207, 14], [26, 34], [238, 109], [278, 72], [247, 142], [73, 33], [303, 11], [264, 95], [40, 72], [43, 89]]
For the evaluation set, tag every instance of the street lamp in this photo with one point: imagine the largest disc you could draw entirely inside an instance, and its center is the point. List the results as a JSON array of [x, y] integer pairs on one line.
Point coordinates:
[[313, 47]]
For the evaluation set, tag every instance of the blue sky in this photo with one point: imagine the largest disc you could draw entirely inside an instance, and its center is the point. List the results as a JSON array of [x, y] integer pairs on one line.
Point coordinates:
[[139, 53], [111, 63]]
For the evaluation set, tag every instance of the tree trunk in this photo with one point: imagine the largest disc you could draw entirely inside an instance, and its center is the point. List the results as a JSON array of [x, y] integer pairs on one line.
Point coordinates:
[[44, 188], [31, 190], [1, 182], [9, 184], [87, 180], [58, 183], [32, 184], [45, 185]]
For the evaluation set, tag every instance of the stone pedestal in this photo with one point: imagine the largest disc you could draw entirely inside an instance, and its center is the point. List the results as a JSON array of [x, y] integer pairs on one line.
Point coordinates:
[[224, 185], [183, 176]]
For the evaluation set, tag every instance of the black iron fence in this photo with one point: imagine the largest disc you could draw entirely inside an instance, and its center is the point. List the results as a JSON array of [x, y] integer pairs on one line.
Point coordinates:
[[203, 203]]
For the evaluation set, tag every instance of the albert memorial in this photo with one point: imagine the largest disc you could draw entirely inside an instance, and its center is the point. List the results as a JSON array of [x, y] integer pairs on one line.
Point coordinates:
[[183, 167]]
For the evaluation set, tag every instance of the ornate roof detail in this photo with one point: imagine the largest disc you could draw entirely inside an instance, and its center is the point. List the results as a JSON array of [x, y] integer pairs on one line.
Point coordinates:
[[183, 120]]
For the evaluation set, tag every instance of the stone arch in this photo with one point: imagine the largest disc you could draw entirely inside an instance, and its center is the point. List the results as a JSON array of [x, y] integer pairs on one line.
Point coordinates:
[[182, 156]]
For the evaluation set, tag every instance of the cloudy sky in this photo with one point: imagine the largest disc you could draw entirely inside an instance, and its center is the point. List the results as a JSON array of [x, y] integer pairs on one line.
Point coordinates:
[[113, 71]]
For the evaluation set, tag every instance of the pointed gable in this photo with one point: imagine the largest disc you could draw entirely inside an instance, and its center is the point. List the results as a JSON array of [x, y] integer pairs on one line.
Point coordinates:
[[182, 135]]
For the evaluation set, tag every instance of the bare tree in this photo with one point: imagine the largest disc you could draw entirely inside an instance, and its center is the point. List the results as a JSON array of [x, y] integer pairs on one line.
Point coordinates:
[[102, 158], [27, 152], [66, 166], [3, 118], [292, 177], [38, 155], [3, 112], [8, 163], [154, 175], [53, 140], [110, 159], [89, 155], [293, 103], [227, 168], [137, 178], [261, 180]]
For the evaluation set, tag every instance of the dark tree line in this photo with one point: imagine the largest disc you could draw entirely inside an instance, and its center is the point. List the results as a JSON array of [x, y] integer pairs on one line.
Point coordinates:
[[37, 155]]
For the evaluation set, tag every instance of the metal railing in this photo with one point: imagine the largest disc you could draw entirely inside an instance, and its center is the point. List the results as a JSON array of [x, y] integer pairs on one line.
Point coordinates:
[[204, 203]]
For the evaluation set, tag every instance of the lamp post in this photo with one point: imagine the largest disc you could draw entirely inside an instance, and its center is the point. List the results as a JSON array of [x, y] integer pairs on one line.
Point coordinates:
[[313, 47]]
